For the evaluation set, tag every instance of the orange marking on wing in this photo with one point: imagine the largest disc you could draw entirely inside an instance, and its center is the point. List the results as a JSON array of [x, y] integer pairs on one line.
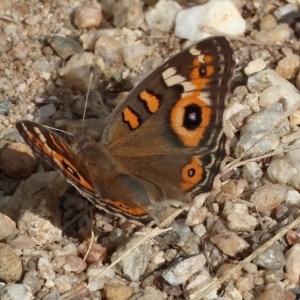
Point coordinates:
[[135, 211], [190, 138], [63, 146], [151, 101], [86, 185], [130, 117], [198, 81], [191, 174], [58, 158], [208, 59], [209, 70]]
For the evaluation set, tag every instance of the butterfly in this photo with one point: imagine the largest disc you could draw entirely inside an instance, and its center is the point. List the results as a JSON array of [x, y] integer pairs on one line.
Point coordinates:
[[162, 145]]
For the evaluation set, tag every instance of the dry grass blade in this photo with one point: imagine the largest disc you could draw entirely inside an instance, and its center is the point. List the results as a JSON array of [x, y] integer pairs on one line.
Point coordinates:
[[230, 273]]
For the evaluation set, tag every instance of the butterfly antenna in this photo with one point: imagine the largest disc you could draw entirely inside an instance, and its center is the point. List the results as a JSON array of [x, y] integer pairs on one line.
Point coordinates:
[[92, 70]]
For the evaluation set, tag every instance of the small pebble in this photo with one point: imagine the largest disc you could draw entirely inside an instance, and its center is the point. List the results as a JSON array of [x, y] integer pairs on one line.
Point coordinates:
[[273, 276], [77, 71], [88, 16], [239, 222], [268, 196], [4, 107], [252, 172], [284, 10], [197, 282], [226, 268], [234, 208], [293, 197], [41, 65], [288, 67], [181, 229], [16, 292], [267, 21], [74, 264], [250, 268], [272, 292], [96, 254], [128, 13], [64, 47], [149, 293], [136, 262], [196, 216], [269, 96], [120, 292], [281, 171], [278, 34], [229, 243], [162, 15], [255, 66], [134, 55], [45, 271], [292, 267], [10, 264], [7, 227], [271, 258], [181, 271]]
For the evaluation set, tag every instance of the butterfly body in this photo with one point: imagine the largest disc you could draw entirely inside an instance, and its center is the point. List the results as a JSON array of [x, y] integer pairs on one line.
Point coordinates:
[[163, 144]]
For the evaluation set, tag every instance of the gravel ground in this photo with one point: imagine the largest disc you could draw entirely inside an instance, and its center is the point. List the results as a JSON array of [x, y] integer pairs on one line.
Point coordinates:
[[242, 243]]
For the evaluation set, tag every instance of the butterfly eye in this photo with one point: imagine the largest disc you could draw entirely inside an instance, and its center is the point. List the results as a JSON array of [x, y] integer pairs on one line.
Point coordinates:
[[191, 172], [202, 70], [192, 117]]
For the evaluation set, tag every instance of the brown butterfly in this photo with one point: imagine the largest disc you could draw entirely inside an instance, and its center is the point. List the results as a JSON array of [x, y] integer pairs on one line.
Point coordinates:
[[162, 145]]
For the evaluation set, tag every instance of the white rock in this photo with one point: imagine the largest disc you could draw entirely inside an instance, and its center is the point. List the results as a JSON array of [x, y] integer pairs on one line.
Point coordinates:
[[236, 208], [293, 197], [257, 125], [162, 15], [284, 10], [181, 271], [252, 172], [296, 2], [97, 282], [293, 159], [220, 15], [137, 260], [134, 55], [41, 65], [268, 196], [268, 96], [269, 78], [239, 222], [292, 267], [281, 171], [158, 258], [255, 66], [16, 292], [197, 283], [196, 216], [45, 270], [252, 100]]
